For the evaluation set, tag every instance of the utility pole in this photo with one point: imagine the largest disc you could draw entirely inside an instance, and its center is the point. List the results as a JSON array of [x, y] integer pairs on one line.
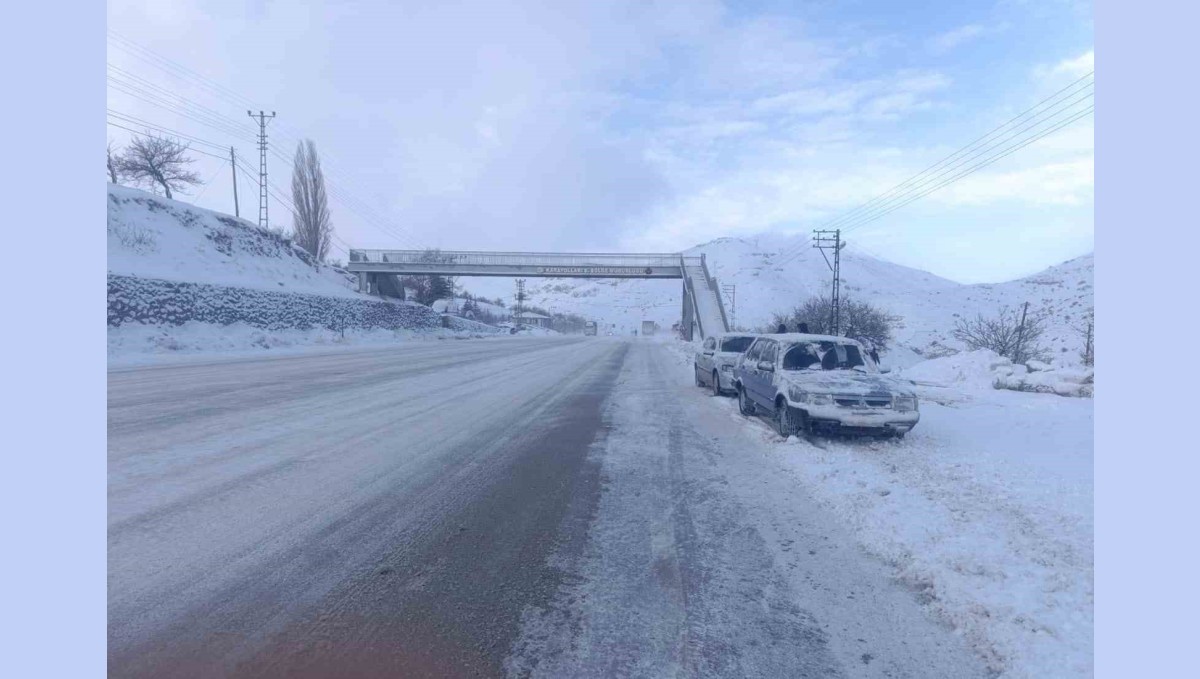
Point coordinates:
[[262, 165], [1089, 357], [730, 289], [822, 240], [520, 298], [237, 212], [1019, 354]]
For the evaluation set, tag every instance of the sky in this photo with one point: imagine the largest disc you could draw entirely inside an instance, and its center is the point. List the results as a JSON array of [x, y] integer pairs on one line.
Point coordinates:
[[628, 126]]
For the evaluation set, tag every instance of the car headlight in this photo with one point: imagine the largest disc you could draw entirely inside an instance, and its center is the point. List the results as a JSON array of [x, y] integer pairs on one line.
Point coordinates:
[[800, 396], [905, 403]]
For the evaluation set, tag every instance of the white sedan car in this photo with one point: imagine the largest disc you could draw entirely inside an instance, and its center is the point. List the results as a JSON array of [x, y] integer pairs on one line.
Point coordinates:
[[715, 360]]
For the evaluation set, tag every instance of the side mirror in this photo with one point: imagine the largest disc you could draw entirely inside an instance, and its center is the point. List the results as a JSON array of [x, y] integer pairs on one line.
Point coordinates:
[[767, 366]]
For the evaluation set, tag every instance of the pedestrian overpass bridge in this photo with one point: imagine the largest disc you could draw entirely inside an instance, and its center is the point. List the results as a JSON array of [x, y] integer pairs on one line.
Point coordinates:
[[703, 312]]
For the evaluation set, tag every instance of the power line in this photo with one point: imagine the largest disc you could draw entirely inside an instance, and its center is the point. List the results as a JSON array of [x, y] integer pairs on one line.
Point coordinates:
[[126, 118], [966, 159], [900, 191], [185, 74], [975, 168], [1063, 93], [180, 109], [924, 189], [130, 129]]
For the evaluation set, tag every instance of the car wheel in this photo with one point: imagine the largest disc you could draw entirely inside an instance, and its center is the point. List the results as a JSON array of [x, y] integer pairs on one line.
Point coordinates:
[[744, 404], [716, 383], [783, 419]]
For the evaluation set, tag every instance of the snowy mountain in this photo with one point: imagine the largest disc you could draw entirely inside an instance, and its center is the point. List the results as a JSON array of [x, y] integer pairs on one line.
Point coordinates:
[[773, 274]]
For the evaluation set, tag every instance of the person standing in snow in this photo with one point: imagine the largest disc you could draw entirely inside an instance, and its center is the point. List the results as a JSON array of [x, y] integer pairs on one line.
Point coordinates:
[[803, 328], [781, 329]]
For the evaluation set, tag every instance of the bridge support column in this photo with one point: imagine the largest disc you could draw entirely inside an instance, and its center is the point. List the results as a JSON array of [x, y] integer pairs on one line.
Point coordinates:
[[687, 322], [364, 282]]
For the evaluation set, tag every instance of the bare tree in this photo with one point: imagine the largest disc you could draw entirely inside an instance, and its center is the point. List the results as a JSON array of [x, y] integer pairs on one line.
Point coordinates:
[[428, 288], [111, 163], [159, 162], [312, 227], [859, 320], [1010, 333]]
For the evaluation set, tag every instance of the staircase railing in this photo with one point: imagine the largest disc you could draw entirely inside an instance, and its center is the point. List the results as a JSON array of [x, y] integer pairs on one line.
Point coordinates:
[[712, 284], [691, 293]]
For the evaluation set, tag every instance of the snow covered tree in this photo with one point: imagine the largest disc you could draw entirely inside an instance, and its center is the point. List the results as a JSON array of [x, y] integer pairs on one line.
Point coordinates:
[[111, 163], [160, 162], [312, 228], [858, 320], [1013, 333]]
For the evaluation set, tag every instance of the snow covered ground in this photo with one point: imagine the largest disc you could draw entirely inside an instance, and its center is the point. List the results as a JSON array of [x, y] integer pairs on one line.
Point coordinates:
[[153, 237], [138, 344], [985, 510]]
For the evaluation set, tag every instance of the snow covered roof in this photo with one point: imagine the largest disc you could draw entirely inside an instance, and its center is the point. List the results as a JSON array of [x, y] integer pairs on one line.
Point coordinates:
[[806, 337]]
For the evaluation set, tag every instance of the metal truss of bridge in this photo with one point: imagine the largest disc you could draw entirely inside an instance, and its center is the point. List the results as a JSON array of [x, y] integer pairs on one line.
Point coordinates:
[[703, 310]]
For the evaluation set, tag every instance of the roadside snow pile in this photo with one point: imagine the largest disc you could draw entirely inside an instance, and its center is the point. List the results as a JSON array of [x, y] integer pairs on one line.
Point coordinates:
[[1043, 378], [970, 370], [985, 511], [984, 369], [137, 343]]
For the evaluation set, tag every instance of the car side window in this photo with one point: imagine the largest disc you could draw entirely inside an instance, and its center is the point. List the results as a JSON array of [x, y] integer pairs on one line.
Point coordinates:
[[769, 352], [752, 354]]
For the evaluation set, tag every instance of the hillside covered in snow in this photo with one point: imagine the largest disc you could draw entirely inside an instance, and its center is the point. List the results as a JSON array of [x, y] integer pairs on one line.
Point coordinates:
[[152, 237], [774, 274]]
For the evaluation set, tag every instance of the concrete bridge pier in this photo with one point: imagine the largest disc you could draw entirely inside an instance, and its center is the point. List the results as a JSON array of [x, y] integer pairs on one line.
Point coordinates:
[[688, 318]]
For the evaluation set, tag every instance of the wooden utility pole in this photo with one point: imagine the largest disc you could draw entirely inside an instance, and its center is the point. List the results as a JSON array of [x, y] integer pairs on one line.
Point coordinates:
[[1018, 354], [233, 166]]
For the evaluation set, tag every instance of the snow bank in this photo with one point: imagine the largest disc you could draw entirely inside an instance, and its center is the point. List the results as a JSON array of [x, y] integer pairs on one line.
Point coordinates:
[[1043, 378], [972, 370], [153, 237], [985, 511], [138, 343], [983, 370]]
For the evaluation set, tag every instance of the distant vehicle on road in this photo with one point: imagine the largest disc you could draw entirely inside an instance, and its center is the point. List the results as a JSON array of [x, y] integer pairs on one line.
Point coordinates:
[[589, 328], [821, 383], [648, 328], [716, 358]]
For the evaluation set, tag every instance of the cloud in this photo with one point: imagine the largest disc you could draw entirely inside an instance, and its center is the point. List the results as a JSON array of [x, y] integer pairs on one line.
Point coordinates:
[[944, 42], [1068, 69]]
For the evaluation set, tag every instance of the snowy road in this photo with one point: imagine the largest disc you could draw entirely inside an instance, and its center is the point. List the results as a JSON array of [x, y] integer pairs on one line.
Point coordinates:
[[555, 507]]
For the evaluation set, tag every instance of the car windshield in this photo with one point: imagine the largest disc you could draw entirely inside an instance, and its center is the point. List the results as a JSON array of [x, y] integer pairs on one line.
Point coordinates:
[[736, 344], [828, 355]]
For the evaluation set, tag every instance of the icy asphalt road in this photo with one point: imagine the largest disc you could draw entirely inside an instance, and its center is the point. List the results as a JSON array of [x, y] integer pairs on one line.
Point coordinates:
[[554, 507]]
